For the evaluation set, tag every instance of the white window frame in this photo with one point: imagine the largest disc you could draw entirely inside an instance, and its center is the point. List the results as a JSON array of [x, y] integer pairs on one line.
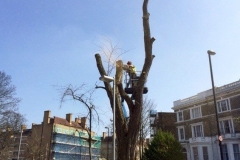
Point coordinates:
[[205, 156], [196, 112], [195, 153], [225, 151], [223, 105], [236, 151], [223, 128], [179, 133], [180, 118], [194, 129]]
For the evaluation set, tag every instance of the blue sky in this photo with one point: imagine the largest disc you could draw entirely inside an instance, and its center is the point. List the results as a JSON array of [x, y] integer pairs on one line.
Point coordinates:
[[52, 43]]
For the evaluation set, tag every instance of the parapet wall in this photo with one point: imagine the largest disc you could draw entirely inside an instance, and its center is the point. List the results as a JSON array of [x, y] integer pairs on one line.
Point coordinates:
[[207, 93]]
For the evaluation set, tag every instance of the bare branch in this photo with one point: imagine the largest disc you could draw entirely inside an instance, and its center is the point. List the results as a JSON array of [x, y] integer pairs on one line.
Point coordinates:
[[84, 97], [111, 53], [96, 86]]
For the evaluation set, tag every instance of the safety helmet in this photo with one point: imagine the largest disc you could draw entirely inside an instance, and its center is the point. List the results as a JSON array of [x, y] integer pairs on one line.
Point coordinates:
[[129, 62]]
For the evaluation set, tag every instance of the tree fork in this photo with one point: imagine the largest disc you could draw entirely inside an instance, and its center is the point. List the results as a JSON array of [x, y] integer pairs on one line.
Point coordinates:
[[127, 134]]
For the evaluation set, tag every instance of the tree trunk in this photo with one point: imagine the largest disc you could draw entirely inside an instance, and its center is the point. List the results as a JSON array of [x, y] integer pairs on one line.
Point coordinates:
[[127, 133]]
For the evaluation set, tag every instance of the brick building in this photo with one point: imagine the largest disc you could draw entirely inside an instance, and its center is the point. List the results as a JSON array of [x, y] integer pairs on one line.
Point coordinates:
[[164, 121], [16, 139], [197, 126], [107, 146], [59, 138]]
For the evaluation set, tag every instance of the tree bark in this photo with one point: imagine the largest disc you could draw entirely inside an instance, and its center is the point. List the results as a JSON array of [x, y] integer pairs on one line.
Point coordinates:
[[127, 133]]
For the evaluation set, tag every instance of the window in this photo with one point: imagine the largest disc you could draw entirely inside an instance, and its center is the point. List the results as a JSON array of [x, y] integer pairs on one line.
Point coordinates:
[[205, 153], [197, 131], [223, 105], [196, 112], [225, 152], [181, 134], [226, 126], [195, 153], [236, 152], [180, 116]]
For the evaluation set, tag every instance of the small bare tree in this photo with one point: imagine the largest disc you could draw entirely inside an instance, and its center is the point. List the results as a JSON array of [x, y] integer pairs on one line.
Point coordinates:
[[148, 105], [85, 98]]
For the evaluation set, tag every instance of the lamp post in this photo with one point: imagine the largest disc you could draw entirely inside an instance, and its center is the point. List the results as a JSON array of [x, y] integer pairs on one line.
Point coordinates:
[[107, 141], [20, 141], [111, 79], [215, 103]]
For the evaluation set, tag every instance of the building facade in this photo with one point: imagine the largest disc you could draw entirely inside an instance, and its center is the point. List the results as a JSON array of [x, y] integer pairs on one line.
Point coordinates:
[[60, 139], [107, 147], [197, 125], [18, 138], [164, 121]]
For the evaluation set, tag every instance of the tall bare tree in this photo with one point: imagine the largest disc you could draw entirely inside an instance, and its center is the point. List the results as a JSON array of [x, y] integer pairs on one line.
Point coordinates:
[[10, 118], [127, 132], [7, 93]]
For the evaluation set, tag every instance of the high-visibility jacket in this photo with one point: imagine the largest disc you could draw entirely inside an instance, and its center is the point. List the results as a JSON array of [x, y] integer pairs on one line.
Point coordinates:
[[132, 69]]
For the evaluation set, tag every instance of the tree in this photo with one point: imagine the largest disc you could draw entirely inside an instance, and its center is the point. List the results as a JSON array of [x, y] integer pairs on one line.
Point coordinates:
[[10, 119], [86, 99], [127, 131], [32, 149], [7, 93], [148, 105], [164, 146]]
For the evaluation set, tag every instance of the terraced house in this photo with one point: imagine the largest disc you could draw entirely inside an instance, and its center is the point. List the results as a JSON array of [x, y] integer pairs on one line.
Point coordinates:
[[197, 125], [57, 139]]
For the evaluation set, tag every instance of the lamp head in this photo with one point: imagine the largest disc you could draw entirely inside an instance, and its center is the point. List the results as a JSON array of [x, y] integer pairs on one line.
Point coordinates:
[[106, 78], [211, 52]]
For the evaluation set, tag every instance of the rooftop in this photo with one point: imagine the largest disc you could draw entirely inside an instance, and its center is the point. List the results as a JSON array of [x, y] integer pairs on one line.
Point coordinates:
[[202, 95]]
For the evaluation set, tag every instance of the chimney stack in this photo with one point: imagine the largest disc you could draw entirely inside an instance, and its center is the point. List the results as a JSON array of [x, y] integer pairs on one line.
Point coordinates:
[[46, 118], [104, 135], [23, 127], [69, 117], [83, 122], [78, 120]]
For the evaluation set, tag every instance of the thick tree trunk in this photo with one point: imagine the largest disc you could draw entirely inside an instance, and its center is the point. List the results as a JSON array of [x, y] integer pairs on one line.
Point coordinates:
[[127, 133]]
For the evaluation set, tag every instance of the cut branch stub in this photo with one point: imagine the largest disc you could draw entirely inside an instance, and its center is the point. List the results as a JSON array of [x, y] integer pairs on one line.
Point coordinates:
[[119, 72], [99, 64]]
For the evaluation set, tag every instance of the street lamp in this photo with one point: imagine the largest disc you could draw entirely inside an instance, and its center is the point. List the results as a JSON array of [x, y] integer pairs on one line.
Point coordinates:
[[215, 104], [20, 141], [107, 141], [111, 79]]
